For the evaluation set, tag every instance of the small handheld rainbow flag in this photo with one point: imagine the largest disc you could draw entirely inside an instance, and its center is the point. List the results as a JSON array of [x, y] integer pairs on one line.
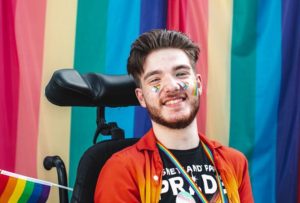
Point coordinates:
[[19, 188]]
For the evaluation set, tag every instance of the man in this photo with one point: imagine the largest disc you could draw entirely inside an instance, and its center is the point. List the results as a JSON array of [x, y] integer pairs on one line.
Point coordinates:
[[172, 162]]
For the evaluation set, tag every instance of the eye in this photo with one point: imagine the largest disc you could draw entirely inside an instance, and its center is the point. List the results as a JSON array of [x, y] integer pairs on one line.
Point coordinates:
[[181, 74]]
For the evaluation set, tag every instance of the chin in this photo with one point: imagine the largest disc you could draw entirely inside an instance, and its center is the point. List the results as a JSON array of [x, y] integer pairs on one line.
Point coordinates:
[[175, 122]]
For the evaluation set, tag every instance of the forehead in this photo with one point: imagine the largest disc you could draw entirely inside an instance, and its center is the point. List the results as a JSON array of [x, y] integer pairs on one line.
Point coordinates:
[[165, 60]]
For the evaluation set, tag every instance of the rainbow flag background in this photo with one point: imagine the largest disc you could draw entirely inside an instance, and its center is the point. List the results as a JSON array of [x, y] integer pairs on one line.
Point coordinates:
[[250, 66]]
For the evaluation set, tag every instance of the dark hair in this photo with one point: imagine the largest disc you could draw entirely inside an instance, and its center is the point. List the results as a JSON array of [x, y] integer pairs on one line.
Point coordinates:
[[154, 40]]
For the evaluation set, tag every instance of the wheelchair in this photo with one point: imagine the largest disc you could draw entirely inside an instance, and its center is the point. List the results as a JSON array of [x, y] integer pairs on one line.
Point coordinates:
[[69, 88]]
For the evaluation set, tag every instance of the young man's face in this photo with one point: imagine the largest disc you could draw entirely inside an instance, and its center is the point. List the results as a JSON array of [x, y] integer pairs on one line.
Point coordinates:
[[169, 88]]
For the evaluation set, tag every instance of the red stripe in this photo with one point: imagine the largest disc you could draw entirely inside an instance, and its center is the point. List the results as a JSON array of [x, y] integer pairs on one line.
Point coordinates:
[[3, 182], [9, 85], [191, 17], [197, 28], [176, 15], [9, 189], [30, 23]]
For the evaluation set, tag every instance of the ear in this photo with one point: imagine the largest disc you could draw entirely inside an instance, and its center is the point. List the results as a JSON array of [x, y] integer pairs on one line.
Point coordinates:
[[140, 96], [199, 83]]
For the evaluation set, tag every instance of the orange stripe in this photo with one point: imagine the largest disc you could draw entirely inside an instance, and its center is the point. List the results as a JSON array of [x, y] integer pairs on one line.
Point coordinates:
[[29, 24], [196, 28], [8, 190], [19, 188]]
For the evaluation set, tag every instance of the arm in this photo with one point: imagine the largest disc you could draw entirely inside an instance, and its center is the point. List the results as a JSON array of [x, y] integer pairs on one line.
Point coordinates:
[[116, 183]]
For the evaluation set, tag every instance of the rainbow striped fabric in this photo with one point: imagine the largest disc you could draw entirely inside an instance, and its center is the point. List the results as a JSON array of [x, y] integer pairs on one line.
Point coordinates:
[[15, 188], [250, 67]]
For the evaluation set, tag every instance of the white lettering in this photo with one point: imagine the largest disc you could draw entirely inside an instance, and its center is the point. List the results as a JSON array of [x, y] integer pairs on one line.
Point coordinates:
[[211, 168], [176, 185], [189, 169], [164, 187], [172, 171], [206, 180]]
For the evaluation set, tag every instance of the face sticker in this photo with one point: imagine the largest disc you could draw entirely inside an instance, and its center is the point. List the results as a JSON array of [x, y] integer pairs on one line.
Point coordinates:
[[195, 91], [155, 88], [183, 85]]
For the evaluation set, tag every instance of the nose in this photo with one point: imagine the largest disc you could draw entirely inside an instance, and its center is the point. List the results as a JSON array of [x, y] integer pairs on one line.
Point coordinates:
[[170, 84]]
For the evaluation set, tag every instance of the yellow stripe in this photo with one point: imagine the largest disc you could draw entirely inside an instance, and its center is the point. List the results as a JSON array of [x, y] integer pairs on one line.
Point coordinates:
[[54, 123], [218, 87], [17, 191]]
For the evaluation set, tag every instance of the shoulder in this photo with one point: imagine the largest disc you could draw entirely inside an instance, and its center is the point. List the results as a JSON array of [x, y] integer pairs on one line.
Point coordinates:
[[138, 152], [118, 177], [127, 158], [124, 155], [228, 154], [231, 154]]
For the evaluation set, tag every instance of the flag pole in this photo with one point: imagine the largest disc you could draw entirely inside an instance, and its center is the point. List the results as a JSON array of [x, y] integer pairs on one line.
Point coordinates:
[[15, 175]]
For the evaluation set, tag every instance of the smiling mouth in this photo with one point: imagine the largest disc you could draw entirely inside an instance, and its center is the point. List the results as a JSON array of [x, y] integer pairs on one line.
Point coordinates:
[[173, 101]]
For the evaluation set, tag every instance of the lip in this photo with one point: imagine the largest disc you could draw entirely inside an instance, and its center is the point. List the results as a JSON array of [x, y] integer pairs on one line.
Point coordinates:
[[173, 101]]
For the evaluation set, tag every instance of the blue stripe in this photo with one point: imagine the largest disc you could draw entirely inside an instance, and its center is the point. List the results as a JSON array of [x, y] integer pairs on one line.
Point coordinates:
[[36, 193], [153, 16], [122, 29], [288, 140], [268, 72]]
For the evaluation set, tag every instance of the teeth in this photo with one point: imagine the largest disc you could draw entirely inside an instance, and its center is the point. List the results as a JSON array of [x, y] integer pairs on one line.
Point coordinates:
[[175, 101]]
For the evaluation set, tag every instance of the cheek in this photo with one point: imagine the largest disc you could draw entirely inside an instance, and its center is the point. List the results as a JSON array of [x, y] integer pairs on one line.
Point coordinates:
[[192, 88], [195, 90], [151, 97]]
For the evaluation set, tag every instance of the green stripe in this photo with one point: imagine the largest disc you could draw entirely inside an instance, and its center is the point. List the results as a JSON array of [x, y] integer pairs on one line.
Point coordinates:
[[26, 192], [89, 57], [243, 65]]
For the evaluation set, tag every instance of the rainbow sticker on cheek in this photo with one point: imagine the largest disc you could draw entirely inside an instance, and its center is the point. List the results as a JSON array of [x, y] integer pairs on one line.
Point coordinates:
[[183, 85], [155, 88], [195, 91]]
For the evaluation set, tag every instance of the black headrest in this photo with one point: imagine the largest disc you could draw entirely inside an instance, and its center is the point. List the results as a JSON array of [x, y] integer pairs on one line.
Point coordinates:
[[69, 88]]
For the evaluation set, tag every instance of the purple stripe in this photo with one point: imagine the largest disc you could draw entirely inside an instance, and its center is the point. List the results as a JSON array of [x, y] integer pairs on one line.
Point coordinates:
[[153, 15], [44, 194], [288, 140]]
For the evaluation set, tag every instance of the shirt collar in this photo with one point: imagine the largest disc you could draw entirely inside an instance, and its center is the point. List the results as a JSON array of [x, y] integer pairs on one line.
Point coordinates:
[[148, 142]]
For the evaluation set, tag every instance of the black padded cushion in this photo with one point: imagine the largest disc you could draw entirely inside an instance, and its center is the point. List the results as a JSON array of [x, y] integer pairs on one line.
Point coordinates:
[[91, 164], [69, 88]]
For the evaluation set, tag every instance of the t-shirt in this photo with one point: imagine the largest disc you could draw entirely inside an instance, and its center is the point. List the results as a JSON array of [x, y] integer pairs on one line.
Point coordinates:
[[196, 163]]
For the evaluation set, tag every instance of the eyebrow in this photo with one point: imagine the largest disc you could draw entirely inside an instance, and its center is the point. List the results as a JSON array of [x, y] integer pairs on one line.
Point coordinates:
[[179, 67], [156, 72]]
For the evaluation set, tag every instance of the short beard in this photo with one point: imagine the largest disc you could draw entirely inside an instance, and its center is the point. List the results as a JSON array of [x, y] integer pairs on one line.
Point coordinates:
[[178, 124]]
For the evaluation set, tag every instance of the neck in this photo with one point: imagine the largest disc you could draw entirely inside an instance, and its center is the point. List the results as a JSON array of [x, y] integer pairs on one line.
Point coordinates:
[[181, 139]]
